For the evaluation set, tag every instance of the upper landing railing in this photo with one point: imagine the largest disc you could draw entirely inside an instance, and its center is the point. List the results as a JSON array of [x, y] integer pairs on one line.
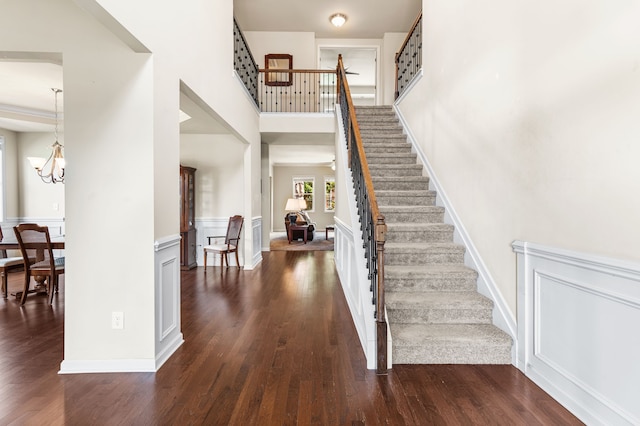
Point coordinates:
[[297, 90], [283, 90], [409, 57], [244, 64]]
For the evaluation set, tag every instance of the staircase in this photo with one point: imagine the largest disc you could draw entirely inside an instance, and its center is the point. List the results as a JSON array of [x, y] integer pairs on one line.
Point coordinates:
[[435, 314]]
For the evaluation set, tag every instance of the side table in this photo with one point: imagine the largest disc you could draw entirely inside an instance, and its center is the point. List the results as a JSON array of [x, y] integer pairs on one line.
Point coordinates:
[[326, 231], [303, 228]]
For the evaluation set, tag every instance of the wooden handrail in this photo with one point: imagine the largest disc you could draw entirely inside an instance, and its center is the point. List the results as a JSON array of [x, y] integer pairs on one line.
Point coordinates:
[[356, 129], [292, 71], [376, 228]]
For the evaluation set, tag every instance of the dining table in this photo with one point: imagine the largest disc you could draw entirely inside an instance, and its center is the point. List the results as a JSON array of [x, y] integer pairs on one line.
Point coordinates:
[[13, 245], [56, 244]]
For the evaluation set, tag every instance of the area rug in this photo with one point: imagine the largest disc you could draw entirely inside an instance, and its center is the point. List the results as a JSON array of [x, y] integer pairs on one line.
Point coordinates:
[[279, 242]]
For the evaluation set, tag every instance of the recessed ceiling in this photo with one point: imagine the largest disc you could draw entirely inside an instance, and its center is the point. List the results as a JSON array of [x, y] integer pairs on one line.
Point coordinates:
[[27, 103]]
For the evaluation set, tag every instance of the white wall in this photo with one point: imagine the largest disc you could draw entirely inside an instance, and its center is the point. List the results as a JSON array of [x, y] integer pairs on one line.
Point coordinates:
[[301, 45], [528, 114], [122, 150], [577, 331], [37, 199], [11, 173], [219, 178], [283, 190]]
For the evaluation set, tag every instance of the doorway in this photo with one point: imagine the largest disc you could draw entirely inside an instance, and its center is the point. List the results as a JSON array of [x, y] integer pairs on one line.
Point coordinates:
[[360, 63]]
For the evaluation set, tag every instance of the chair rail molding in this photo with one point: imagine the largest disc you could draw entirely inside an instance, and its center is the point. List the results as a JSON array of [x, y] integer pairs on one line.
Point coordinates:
[[577, 330]]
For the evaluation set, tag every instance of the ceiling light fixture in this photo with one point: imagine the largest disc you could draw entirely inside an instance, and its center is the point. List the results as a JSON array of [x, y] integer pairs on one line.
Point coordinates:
[[338, 19], [51, 170]]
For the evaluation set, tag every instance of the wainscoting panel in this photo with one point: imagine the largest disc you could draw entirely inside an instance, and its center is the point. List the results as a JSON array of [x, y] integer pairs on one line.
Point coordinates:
[[578, 337], [256, 226], [218, 226], [167, 283], [349, 258], [209, 227]]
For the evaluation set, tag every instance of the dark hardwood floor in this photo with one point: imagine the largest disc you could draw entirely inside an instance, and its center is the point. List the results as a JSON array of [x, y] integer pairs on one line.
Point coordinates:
[[273, 346]]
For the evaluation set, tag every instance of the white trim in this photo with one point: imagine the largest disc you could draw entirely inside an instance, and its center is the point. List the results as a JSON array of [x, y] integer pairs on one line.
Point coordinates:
[[108, 366], [168, 350], [577, 328], [168, 333], [256, 258], [502, 315], [252, 101], [166, 242], [313, 193], [324, 193], [416, 78]]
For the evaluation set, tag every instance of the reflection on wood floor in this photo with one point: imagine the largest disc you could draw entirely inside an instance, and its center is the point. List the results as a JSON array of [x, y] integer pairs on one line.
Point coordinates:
[[272, 346]]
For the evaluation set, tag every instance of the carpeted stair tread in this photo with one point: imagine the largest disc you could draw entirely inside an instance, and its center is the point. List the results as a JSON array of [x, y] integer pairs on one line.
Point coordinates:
[[421, 247], [395, 170], [373, 156], [368, 119], [450, 344], [412, 227], [437, 300], [424, 253], [388, 148], [410, 209], [391, 183], [435, 312], [428, 271], [406, 198], [406, 193], [399, 232], [383, 139], [374, 110], [450, 277]]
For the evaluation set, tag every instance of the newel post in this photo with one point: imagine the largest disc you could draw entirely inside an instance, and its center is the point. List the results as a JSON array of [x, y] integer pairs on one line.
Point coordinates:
[[381, 320]]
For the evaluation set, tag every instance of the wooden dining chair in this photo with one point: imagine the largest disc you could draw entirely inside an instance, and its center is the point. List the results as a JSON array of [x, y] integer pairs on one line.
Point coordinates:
[[230, 245], [35, 243], [8, 264]]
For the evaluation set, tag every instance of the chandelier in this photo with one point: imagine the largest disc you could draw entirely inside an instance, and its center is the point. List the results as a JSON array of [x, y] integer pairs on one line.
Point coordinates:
[[51, 170]]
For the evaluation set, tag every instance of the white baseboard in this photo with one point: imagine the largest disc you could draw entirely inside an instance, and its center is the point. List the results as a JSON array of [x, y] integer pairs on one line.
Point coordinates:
[[108, 366]]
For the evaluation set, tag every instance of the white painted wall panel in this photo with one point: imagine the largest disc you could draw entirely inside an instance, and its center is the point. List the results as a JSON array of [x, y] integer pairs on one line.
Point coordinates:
[[577, 325]]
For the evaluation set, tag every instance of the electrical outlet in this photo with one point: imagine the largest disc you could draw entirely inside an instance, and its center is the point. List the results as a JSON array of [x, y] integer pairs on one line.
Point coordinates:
[[117, 320]]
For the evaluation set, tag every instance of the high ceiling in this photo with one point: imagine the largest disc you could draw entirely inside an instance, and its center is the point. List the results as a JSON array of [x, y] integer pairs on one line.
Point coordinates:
[[365, 18], [27, 101]]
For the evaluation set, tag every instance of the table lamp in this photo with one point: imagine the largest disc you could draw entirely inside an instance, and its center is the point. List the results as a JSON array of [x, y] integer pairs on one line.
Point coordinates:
[[293, 206]]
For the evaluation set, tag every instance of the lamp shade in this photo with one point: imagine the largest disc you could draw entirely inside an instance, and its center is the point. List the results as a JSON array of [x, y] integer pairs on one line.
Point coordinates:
[[295, 204]]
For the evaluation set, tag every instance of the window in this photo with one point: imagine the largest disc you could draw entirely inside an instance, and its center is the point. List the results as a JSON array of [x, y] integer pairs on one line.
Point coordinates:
[[303, 188], [329, 194]]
